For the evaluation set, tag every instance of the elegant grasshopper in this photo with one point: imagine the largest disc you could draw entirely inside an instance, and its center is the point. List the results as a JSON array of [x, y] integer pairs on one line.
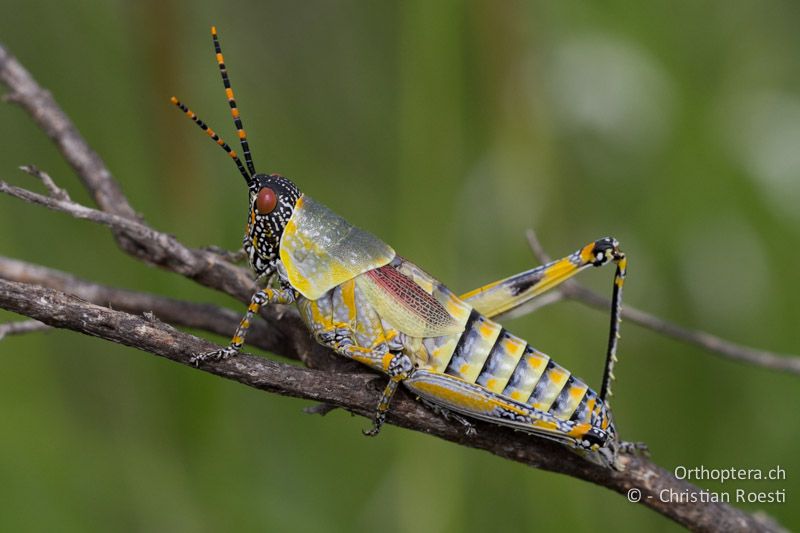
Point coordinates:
[[358, 297]]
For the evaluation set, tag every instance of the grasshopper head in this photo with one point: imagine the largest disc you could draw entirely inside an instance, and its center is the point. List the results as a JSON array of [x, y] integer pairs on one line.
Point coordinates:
[[272, 201]]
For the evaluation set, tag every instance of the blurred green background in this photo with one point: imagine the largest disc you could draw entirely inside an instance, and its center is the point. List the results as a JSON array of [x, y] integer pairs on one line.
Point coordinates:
[[446, 128]]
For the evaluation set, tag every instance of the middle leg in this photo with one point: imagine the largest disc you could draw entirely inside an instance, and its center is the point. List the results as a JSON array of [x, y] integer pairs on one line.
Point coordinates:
[[356, 332]]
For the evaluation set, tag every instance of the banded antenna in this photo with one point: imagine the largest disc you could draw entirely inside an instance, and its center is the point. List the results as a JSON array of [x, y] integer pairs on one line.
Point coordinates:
[[248, 157], [216, 138]]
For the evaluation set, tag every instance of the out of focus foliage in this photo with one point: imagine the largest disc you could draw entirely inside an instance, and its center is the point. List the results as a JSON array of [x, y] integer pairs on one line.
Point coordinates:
[[446, 128]]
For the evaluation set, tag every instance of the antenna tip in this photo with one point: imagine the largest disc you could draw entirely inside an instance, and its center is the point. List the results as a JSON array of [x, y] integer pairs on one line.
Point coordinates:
[[173, 100], [214, 30]]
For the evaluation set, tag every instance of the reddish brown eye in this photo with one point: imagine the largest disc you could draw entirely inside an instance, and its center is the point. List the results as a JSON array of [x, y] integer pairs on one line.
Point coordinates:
[[266, 201]]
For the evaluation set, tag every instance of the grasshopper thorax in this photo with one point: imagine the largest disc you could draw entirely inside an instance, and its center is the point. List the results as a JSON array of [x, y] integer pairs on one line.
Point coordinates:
[[272, 200]]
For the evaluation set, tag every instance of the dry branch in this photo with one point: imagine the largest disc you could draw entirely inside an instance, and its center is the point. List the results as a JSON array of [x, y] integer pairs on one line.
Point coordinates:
[[357, 392], [45, 112], [206, 317], [23, 326]]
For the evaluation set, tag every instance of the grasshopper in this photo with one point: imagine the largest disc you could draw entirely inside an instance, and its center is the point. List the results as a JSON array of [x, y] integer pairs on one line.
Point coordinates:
[[361, 299]]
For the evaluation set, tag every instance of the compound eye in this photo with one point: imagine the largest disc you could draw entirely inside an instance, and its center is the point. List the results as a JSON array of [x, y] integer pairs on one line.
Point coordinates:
[[266, 201]]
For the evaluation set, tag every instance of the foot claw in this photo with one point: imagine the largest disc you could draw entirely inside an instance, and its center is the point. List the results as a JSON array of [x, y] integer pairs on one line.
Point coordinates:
[[377, 424], [634, 448], [216, 355], [374, 430]]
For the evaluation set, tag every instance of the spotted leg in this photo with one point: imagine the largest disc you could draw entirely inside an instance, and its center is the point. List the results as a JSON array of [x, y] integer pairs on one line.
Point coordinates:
[[398, 367], [383, 355], [613, 335], [261, 298]]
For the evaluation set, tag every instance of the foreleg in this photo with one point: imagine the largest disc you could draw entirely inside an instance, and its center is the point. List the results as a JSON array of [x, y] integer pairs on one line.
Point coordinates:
[[261, 298]]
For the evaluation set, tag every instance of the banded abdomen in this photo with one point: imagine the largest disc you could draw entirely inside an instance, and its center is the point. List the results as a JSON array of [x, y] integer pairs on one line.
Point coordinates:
[[486, 354]]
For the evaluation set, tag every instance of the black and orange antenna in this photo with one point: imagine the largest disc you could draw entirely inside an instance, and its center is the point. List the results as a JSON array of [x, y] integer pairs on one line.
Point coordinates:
[[248, 157], [216, 138]]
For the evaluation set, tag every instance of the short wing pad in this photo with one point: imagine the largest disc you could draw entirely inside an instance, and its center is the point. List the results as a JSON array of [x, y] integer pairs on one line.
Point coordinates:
[[405, 305], [321, 250]]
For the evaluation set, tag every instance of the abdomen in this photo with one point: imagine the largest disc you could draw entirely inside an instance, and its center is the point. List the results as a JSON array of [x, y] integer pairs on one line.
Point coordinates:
[[486, 354], [491, 357]]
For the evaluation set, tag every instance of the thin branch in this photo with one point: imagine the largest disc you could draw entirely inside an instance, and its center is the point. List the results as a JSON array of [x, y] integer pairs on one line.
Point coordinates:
[[154, 247], [207, 317], [23, 326], [136, 230], [55, 191], [726, 349], [320, 409], [359, 393], [46, 113], [536, 247], [718, 346]]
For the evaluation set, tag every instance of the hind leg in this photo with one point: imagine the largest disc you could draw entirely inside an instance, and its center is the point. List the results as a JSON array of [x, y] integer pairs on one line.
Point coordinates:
[[508, 296], [456, 395], [398, 368], [346, 332], [447, 414]]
